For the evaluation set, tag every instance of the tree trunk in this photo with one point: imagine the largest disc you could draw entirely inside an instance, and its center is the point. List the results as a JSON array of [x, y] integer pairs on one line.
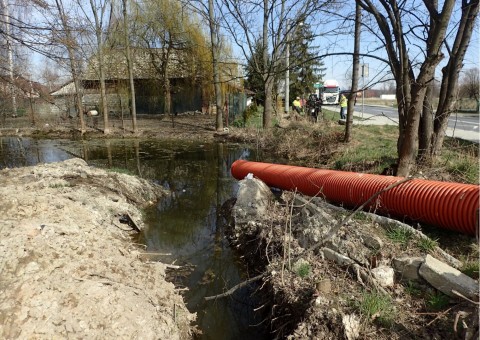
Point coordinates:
[[73, 64], [267, 76], [216, 71], [6, 19], [267, 113], [133, 106], [356, 64], [450, 73], [103, 92], [409, 143], [426, 128]]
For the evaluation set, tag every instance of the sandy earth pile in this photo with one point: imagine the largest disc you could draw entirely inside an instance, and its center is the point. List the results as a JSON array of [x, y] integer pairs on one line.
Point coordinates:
[[68, 265]]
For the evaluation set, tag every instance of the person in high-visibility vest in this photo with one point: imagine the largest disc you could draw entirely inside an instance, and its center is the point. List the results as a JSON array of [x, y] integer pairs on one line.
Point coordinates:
[[297, 105], [343, 106]]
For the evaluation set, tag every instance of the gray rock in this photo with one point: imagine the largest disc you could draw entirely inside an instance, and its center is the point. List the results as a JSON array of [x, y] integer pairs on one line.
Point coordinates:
[[253, 199], [372, 241], [446, 278], [384, 275], [351, 326], [340, 259], [407, 267]]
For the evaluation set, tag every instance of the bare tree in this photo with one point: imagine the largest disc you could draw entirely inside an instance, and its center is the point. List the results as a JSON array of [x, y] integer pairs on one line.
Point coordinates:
[[68, 40], [277, 22], [355, 73], [470, 85], [129, 66], [449, 83], [215, 47], [414, 76], [98, 9]]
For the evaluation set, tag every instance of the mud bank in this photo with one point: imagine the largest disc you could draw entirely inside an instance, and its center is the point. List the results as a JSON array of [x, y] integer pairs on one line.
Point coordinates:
[[68, 266], [328, 274]]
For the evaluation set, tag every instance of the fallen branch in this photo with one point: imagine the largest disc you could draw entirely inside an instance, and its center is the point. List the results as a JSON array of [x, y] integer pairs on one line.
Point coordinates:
[[335, 229], [234, 288], [464, 297], [439, 316]]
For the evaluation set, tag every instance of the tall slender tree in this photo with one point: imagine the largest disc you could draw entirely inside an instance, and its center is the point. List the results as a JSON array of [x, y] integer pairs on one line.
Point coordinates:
[[99, 9], [215, 47], [355, 73], [69, 42], [133, 108]]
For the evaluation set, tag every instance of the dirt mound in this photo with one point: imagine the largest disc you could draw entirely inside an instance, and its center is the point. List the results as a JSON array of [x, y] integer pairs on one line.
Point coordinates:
[[328, 274], [69, 268]]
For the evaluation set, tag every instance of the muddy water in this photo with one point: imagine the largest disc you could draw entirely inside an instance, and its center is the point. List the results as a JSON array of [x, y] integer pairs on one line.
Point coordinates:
[[187, 229]]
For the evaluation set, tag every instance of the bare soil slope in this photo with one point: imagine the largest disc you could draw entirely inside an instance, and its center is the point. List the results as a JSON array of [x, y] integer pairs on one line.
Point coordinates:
[[68, 267]]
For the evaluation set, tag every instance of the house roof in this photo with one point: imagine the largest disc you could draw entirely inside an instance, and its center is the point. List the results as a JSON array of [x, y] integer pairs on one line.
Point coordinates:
[[146, 65], [27, 88], [66, 89]]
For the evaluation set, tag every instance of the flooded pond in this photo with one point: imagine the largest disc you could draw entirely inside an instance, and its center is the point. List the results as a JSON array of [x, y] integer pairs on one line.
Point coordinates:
[[186, 229]]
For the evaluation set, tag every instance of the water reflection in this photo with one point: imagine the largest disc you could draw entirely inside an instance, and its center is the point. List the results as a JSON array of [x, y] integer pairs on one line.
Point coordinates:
[[186, 225], [17, 152]]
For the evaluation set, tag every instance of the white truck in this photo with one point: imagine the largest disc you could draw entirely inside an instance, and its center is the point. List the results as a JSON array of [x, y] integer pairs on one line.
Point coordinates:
[[330, 92]]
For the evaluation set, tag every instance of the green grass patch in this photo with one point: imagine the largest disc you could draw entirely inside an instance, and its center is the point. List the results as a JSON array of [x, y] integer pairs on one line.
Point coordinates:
[[376, 306], [427, 244], [60, 185], [400, 235], [459, 158], [372, 149], [471, 268], [412, 288], [437, 301], [361, 216], [303, 270]]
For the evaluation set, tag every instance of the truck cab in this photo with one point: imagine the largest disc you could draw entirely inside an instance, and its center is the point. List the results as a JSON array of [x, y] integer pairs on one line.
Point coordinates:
[[330, 92]]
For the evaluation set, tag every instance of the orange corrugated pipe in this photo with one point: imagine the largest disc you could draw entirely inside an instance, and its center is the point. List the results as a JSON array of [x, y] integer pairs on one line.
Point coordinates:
[[446, 205]]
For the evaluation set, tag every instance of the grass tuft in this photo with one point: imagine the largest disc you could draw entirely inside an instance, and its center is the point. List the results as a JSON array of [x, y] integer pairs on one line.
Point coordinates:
[[400, 235], [427, 244], [376, 306], [471, 268], [437, 301], [413, 289], [303, 270]]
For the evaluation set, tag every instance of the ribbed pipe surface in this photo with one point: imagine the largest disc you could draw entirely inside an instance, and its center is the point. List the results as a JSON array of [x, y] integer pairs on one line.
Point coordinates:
[[442, 204]]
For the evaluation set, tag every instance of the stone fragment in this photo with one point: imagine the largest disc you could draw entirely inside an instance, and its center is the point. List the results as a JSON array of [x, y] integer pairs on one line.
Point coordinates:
[[340, 259], [372, 241], [446, 278], [324, 286], [407, 267], [384, 275], [253, 199], [351, 326]]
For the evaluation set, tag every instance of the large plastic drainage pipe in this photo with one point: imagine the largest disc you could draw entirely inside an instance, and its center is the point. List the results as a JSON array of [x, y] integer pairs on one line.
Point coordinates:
[[442, 204]]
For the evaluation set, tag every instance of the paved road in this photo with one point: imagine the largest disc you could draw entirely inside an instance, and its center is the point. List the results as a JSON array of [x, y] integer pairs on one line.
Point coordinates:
[[465, 126]]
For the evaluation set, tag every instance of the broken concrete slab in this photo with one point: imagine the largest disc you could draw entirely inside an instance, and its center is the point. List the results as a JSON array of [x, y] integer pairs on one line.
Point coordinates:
[[448, 279]]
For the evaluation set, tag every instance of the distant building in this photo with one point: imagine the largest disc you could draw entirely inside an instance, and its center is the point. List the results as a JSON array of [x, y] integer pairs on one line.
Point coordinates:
[[190, 87]]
